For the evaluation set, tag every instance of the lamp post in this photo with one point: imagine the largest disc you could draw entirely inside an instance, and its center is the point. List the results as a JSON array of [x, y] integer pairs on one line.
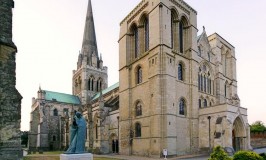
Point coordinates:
[[118, 134], [209, 118]]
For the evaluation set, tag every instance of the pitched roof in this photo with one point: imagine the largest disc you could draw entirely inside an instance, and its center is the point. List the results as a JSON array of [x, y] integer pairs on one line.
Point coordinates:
[[61, 97], [114, 86]]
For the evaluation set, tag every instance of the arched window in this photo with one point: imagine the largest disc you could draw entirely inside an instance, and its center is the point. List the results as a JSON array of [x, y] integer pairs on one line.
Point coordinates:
[[65, 110], [79, 83], [139, 75], [90, 84], [54, 138], [205, 85], [180, 72], [138, 109], [181, 37], [137, 130], [146, 30], [205, 103], [172, 30], [199, 103], [210, 86], [182, 107], [225, 64], [95, 126], [55, 112], [201, 82], [199, 48], [209, 56], [96, 131], [136, 41], [225, 90], [99, 85]]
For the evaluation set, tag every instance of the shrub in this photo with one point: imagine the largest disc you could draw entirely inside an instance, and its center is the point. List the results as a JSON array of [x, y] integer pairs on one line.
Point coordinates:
[[219, 154], [247, 155], [263, 155]]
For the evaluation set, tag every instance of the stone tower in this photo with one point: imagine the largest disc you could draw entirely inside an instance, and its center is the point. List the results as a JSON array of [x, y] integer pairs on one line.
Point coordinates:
[[177, 90], [90, 76], [150, 55], [10, 99]]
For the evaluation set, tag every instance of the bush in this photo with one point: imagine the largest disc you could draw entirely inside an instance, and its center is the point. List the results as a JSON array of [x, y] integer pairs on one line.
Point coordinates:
[[247, 155], [263, 155], [219, 154]]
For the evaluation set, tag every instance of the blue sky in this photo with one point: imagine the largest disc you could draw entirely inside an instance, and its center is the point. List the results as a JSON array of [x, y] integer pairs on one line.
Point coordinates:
[[48, 34]]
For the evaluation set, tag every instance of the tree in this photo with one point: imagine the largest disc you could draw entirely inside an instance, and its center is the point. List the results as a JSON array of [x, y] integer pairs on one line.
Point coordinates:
[[257, 126], [219, 154]]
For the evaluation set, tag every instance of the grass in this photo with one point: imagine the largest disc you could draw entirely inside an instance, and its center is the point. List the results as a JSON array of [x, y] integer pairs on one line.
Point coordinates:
[[55, 156]]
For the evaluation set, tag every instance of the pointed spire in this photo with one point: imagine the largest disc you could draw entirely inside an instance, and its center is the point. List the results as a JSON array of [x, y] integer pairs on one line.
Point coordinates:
[[89, 44]]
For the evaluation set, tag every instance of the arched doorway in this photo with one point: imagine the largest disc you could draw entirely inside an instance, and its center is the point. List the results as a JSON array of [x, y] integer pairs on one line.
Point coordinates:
[[114, 143], [238, 135]]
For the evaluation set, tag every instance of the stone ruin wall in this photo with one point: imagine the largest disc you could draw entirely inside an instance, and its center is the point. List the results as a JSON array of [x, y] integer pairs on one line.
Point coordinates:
[[10, 99]]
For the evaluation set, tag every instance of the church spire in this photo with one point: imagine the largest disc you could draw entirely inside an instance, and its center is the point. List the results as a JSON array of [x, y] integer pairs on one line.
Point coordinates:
[[89, 44]]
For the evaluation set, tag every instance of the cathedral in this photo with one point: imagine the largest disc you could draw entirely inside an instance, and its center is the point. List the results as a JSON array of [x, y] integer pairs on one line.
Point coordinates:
[[177, 90]]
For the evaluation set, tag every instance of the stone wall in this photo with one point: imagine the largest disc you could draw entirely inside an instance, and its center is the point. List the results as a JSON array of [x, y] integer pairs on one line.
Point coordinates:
[[6, 21], [258, 139], [10, 99]]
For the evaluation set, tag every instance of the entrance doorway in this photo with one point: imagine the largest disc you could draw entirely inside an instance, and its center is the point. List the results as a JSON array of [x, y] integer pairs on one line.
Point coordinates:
[[238, 135], [114, 144]]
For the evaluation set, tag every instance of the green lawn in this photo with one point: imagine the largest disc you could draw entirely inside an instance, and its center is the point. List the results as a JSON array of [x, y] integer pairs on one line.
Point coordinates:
[[55, 156]]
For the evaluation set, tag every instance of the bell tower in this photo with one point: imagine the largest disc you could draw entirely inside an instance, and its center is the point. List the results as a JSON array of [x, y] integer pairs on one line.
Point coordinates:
[[10, 99], [90, 76]]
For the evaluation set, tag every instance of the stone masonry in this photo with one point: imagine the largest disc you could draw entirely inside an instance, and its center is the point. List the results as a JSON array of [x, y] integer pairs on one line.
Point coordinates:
[[10, 99]]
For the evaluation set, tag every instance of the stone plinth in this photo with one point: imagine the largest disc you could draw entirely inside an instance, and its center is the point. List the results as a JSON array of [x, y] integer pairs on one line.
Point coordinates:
[[84, 156]]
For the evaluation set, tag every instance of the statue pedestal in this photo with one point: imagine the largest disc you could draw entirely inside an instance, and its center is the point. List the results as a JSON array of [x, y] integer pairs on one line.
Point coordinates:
[[84, 156]]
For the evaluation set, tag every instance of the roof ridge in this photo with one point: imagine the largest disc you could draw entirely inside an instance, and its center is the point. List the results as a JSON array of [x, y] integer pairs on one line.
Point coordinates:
[[59, 92]]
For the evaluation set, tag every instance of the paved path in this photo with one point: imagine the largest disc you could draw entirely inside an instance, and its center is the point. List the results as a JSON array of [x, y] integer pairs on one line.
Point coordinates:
[[191, 157], [260, 150]]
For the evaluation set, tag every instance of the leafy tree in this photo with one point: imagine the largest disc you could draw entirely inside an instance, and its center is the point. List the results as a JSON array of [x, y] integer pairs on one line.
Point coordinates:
[[247, 155], [257, 126], [219, 154]]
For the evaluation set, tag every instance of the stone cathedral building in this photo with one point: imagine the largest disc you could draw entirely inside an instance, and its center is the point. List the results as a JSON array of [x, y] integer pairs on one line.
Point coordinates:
[[10, 98], [176, 90]]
